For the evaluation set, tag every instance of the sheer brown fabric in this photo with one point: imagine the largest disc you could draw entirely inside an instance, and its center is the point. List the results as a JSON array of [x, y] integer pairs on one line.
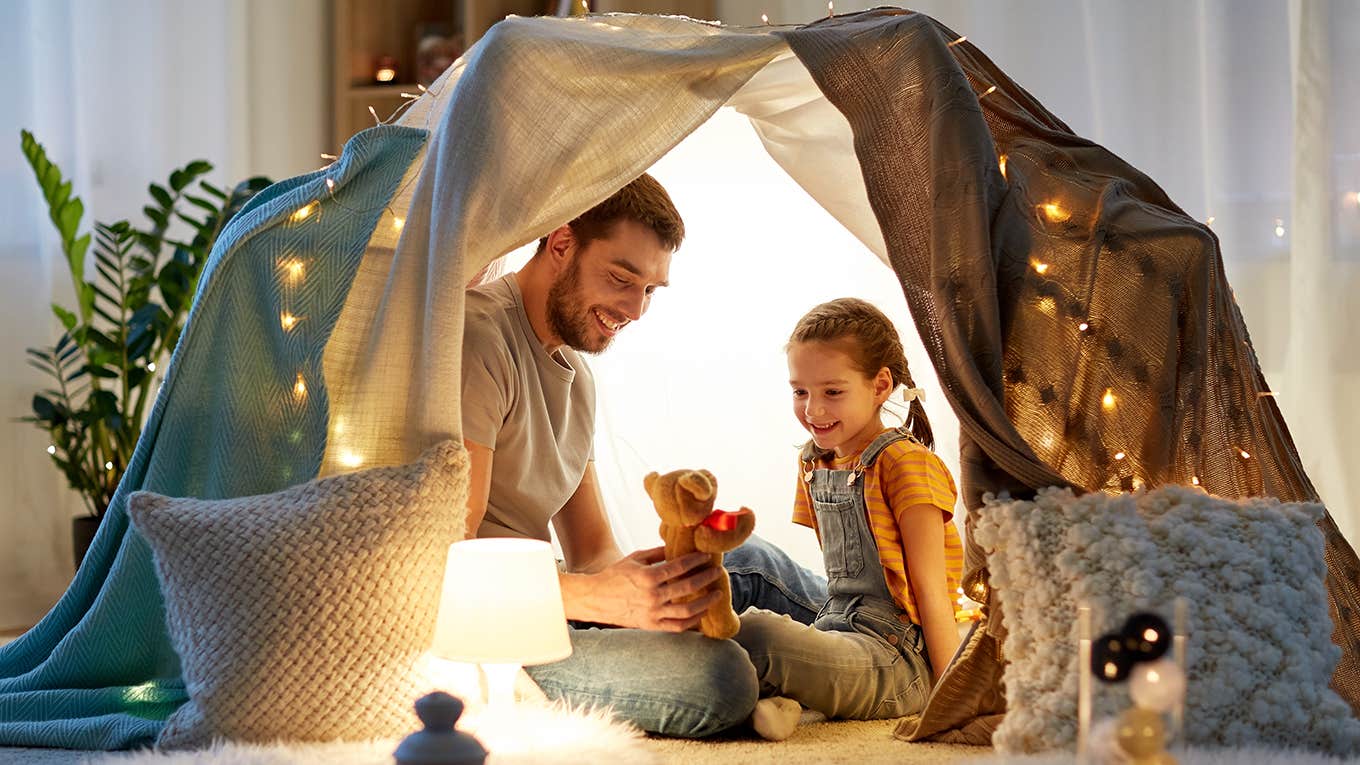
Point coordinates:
[[1079, 321]]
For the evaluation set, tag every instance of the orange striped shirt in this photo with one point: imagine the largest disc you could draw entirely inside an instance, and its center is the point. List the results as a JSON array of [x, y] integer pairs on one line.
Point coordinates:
[[905, 474]]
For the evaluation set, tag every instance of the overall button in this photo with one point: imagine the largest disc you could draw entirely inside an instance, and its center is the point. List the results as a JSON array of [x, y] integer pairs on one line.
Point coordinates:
[[892, 640]]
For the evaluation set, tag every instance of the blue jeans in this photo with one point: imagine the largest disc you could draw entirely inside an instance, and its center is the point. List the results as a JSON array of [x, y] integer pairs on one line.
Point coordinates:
[[684, 684]]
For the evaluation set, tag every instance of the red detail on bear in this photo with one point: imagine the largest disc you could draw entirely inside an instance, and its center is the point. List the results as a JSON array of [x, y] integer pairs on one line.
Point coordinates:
[[721, 520]]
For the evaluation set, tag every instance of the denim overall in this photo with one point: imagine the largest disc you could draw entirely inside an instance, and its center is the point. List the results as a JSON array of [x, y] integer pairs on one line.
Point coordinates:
[[858, 596]]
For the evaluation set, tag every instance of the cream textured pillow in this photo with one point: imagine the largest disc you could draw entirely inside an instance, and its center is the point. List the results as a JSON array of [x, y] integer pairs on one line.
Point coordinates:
[[300, 615], [1260, 652]]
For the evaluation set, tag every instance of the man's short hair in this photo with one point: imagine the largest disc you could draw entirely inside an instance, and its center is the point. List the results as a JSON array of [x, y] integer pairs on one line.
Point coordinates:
[[644, 201]]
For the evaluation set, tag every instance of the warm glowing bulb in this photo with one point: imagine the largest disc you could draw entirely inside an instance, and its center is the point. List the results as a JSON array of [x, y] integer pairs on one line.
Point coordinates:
[[956, 42], [1055, 212], [1083, 326], [988, 91], [288, 321], [304, 212], [1246, 455], [51, 448], [1002, 162], [329, 157], [1195, 480], [330, 184], [350, 459], [151, 367], [300, 387], [830, 8], [1107, 400], [374, 112], [1040, 268], [1119, 456], [108, 465], [1279, 228], [1210, 221], [398, 223], [293, 270], [385, 74], [765, 19]]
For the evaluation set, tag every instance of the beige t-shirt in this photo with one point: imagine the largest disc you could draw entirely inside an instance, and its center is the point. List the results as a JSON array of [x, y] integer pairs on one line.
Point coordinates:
[[535, 409]]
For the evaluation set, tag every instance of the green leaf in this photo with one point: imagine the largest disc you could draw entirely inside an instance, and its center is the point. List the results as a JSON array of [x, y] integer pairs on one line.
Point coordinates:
[[161, 196], [45, 410], [198, 167], [67, 319], [68, 218], [203, 203], [211, 189], [102, 403], [101, 372], [157, 216], [179, 179]]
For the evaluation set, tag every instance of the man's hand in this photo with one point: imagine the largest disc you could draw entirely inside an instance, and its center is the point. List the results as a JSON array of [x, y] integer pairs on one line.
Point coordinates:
[[640, 590]]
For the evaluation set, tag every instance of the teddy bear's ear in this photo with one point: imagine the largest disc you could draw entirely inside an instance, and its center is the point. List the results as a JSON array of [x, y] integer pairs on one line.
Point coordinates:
[[699, 483], [649, 480]]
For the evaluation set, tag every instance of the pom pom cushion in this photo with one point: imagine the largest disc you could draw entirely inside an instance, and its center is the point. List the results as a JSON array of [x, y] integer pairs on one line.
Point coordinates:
[[1260, 654], [302, 615]]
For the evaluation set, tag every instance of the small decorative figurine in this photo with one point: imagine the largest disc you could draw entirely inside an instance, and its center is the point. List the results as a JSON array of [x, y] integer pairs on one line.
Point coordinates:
[[439, 743]]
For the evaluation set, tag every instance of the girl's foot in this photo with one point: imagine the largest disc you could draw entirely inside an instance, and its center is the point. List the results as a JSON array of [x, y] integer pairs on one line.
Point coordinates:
[[776, 717]]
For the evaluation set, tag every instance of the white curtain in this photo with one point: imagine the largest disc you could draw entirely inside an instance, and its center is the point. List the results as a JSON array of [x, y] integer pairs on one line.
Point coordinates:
[[121, 93], [1245, 111]]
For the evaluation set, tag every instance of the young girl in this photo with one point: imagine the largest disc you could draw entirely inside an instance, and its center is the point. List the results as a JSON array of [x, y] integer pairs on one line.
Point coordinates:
[[881, 503]]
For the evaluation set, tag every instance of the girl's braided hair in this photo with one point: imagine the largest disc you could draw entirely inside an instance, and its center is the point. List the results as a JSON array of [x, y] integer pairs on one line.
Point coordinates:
[[867, 336]]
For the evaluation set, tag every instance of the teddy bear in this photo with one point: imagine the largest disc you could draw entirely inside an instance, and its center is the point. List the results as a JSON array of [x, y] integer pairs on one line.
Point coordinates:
[[684, 500]]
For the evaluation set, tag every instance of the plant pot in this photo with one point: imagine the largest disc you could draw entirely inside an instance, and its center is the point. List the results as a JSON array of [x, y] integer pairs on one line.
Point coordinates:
[[83, 528]]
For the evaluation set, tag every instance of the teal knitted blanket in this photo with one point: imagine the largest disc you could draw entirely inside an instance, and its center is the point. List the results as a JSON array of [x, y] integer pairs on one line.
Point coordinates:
[[98, 672]]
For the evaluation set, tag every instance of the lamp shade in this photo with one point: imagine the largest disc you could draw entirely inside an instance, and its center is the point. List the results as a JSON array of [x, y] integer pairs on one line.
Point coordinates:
[[501, 604]]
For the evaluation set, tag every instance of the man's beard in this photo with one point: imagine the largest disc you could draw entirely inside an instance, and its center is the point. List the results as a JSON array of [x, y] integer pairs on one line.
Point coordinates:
[[568, 315]]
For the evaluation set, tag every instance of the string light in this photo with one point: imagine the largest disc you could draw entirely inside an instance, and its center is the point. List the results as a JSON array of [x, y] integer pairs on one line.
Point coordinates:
[[830, 8], [1039, 267], [350, 459], [1083, 326], [1279, 228], [329, 157], [404, 94], [51, 448], [1194, 479], [108, 465], [1119, 456], [374, 112], [288, 321], [1002, 161], [151, 367], [330, 184], [1210, 221], [956, 42], [1246, 455], [1055, 212], [398, 223], [300, 387], [304, 212], [1108, 400], [421, 88], [293, 270], [765, 19], [1265, 393], [988, 91]]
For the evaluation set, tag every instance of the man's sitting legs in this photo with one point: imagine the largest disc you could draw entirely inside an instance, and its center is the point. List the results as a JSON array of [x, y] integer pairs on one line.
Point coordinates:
[[676, 684]]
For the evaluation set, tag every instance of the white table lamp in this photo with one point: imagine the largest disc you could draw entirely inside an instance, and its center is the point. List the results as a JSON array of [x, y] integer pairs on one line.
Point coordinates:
[[501, 608]]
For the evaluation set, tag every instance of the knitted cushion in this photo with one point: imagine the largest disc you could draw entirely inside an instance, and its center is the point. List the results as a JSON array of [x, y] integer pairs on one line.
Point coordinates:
[[300, 615], [1260, 654]]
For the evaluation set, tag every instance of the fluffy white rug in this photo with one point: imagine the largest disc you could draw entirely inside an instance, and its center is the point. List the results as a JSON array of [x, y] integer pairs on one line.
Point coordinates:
[[1233, 756], [530, 734]]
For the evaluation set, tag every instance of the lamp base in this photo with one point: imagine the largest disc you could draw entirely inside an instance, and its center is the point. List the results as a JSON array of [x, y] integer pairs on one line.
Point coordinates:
[[500, 684]]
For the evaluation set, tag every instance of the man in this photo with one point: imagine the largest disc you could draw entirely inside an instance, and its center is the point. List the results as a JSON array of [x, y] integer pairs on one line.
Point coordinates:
[[529, 423]]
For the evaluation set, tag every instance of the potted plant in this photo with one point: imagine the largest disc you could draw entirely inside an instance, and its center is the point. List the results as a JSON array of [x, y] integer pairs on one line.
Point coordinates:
[[127, 318]]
